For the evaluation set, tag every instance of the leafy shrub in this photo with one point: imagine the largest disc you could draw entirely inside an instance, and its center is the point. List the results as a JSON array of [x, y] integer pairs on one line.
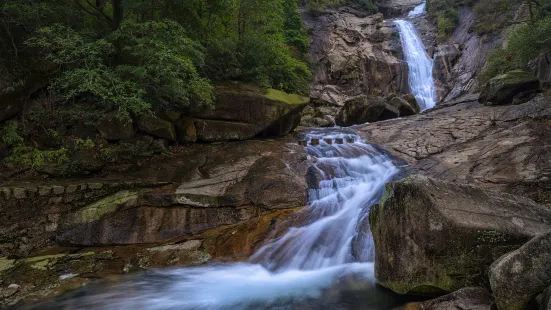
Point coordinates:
[[525, 43], [445, 15]]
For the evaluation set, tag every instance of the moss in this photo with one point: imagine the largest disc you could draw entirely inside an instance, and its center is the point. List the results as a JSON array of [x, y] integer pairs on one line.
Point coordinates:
[[293, 99], [442, 284], [5, 263], [268, 93], [105, 206], [42, 262]]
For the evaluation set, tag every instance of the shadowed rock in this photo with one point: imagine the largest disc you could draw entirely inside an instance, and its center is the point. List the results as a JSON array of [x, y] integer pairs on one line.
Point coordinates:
[[433, 236], [518, 277]]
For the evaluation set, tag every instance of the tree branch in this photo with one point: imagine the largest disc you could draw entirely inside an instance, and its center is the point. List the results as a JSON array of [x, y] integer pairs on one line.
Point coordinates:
[[100, 14]]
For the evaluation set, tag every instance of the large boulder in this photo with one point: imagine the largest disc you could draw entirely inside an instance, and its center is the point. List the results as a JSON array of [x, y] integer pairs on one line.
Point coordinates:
[[518, 277], [434, 236], [115, 126], [360, 110], [516, 86], [212, 131], [157, 127], [404, 108], [471, 298], [243, 111]]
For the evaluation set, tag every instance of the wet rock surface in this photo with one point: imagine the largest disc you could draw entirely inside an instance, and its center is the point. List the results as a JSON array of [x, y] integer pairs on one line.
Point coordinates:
[[434, 236]]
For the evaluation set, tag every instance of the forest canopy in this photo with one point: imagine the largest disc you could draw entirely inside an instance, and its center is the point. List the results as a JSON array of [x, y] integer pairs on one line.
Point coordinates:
[[139, 55]]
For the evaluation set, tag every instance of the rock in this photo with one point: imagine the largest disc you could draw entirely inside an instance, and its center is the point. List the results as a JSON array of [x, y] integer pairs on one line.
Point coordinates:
[[353, 55], [158, 146], [545, 303], [502, 148], [543, 67], [360, 110], [518, 277], [456, 75], [212, 131], [412, 102], [434, 236], [185, 130], [469, 298], [87, 161], [212, 186], [115, 126], [505, 88], [403, 106], [243, 111], [157, 127]]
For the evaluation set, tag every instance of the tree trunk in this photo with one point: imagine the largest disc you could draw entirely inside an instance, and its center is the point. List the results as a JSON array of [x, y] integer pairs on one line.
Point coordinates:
[[118, 14]]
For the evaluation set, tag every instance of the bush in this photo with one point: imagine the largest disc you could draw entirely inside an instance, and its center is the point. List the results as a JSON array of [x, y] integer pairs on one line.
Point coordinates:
[[525, 43], [445, 15]]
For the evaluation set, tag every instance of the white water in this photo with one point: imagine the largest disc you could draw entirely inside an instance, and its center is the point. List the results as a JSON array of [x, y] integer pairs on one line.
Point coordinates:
[[418, 10], [304, 265], [421, 81]]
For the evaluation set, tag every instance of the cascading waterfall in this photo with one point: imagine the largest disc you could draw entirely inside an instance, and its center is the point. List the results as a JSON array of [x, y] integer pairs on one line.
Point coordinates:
[[418, 10], [420, 65], [302, 266]]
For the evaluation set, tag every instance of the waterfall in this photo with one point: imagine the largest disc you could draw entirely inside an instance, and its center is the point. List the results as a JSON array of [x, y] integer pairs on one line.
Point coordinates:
[[418, 10], [325, 252], [421, 82]]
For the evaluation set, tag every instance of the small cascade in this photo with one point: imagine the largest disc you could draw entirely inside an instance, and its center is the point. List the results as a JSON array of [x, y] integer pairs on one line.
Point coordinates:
[[421, 81], [418, 10], [323, 256]]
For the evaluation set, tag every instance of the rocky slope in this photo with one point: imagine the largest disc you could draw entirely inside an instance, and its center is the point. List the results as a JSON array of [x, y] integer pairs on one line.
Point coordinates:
[[354, 54], [504, 148], [218, 201]]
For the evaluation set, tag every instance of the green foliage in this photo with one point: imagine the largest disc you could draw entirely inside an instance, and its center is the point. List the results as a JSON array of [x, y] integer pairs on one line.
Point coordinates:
[[445, 15], [525, 43], [366, 5]]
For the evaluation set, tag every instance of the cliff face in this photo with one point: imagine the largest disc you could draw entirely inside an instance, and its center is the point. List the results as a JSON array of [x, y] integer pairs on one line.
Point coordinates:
[[353, 54], [459, 60]]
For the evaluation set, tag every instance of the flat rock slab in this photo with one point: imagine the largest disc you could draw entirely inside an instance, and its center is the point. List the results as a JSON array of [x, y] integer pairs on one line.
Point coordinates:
[[434, 236], [503, 148]]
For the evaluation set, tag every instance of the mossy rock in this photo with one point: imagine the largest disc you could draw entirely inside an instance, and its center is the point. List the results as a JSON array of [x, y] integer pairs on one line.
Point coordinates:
[[267, 112], [434, 237], [513, 87], [157, 127]]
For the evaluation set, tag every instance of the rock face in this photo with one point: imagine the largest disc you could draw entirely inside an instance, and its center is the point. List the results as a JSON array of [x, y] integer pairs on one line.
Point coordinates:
[[362, 109], [243, 111], [157, 127], [502, 148], [114, 126], [216, 201], [433, 236], [543, 67], [513, 87], [396, 8], [518, 277], [471, 298], [354, 55], [459, 60]]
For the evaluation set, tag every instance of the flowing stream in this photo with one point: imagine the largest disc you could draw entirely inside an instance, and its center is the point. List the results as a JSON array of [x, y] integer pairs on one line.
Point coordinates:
[[420, 65], [326, 261]]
